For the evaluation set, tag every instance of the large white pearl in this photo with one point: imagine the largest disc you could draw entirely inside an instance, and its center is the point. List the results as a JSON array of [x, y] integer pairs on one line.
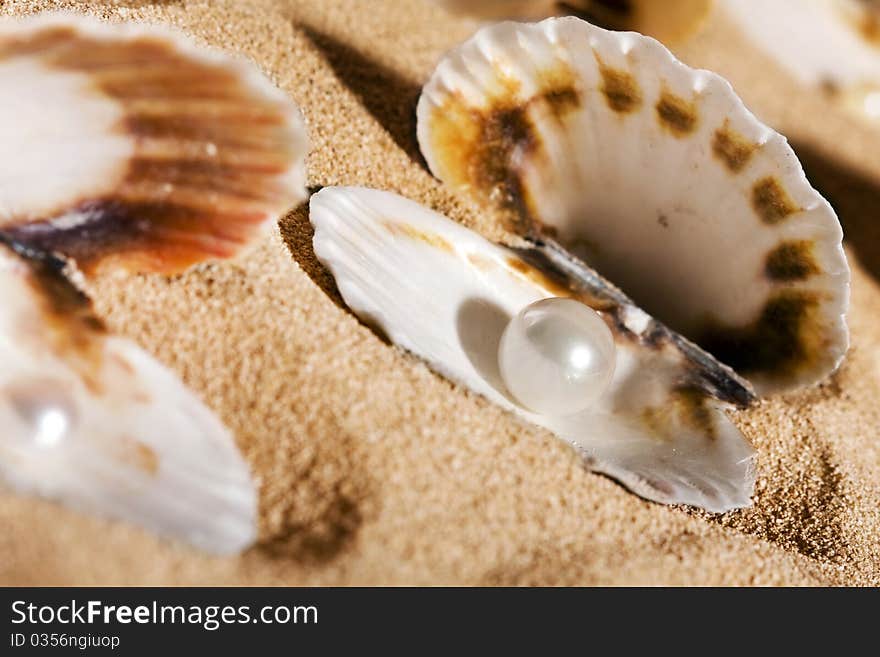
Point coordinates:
[[556, 356]]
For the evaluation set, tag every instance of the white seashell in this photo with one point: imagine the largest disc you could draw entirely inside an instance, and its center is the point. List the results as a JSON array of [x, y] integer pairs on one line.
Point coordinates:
[[656, 175], [126, 146], [668, 21], [91, 419], [446, 294], [832, 45]]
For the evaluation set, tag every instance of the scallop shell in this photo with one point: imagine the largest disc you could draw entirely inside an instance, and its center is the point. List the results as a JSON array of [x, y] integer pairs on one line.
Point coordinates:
[[833, 45], [658, 177], [91, 419], [445, 294], [668, 21], [126, 146]]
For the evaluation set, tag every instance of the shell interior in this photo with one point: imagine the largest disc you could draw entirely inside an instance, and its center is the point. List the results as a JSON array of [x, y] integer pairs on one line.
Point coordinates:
[[657, 176], [91, 419], [446, 294]]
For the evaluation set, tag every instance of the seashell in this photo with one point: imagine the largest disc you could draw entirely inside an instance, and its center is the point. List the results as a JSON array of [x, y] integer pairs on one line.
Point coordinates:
[[133, 149], [668, 21], [125, 147], [91, 419], [657, 176], [446, 294], [847, 64]]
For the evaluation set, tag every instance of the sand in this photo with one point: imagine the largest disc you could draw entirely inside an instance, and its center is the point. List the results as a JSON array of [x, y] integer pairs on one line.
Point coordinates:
[[374, 470]]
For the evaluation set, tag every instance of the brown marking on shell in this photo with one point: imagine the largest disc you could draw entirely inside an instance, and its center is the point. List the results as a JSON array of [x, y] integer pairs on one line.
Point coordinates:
[[147, 459], [138, 454], [864, 19], [67, 312], [61, 301], [695, 411], [771, 202], [481, 262], [475, 146], [687, 406], [829, 87], [138, 394], [434, 240], [123, 363], [559, 90], [557, 285], [66, 320], [869, 26], [208, 157], [620, 88], [787, 337], [793, 260], [732, 148], [141, 236], [42, 42], [676, 114]]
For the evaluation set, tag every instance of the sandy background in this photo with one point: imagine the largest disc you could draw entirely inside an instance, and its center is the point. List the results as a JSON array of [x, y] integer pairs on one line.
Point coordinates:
[[376, 471]]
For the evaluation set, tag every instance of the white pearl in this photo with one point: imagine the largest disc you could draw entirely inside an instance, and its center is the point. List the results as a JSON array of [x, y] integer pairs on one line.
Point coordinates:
[[45, 412], [556, 356], [51, 427]]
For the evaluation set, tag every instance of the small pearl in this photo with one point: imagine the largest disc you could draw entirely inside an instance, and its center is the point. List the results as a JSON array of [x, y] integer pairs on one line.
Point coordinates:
[[556, 356], [46, 413], [51, 427]]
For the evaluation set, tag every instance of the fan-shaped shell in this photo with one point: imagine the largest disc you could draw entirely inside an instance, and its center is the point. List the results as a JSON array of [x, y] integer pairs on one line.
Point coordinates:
[[656, 175], [125, 145]]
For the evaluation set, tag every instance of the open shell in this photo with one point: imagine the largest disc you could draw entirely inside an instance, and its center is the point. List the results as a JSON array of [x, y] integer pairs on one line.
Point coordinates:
[[444, 293], [91, 419], [124, 145], [828, 45], [656, 175]]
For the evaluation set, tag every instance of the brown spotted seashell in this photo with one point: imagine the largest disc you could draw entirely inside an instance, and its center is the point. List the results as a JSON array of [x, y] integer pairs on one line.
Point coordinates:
[[656, 175], [618, 161]]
